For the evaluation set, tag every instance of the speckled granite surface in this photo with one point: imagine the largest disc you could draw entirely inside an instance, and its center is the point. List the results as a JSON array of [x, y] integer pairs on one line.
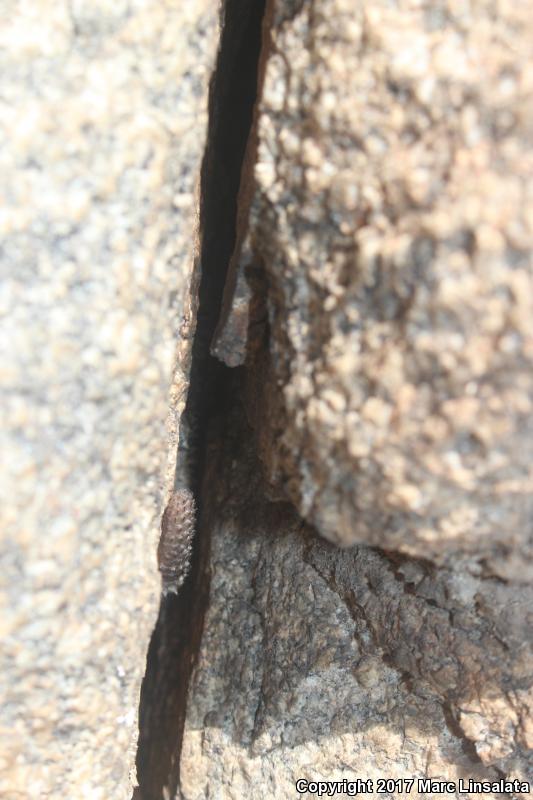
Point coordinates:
[[391, 395], [102, 123], [394, 216]]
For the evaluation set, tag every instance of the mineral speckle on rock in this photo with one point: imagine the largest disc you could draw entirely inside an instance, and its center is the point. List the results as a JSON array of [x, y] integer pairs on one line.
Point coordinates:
[[318, 662], [393, 217], [379, 313], [390, 402], [102, 127]]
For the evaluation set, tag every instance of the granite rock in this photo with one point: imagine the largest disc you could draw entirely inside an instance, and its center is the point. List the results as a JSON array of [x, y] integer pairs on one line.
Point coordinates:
[[103, 119], [381, 323], [388, 384], [393, 217], [319, 663]]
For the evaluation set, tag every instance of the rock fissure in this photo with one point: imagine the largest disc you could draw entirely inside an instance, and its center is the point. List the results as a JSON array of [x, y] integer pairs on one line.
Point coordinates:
[[361, 411], [177, 634], [342, 271]]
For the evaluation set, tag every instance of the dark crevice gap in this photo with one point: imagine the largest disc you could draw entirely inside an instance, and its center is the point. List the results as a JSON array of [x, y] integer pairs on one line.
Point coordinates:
[[176, 638]]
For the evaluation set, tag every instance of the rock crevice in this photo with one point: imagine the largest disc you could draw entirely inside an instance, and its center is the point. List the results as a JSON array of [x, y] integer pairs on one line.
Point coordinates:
[[176, 637]]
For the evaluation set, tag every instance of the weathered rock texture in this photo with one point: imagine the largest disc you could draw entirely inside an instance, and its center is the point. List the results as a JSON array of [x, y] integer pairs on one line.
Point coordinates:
[[380, 313], [394, 217], [388, 381], [319, 663], [103, 120]]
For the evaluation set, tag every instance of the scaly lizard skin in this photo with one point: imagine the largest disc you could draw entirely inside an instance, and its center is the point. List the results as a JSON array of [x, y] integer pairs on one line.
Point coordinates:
[[175, 545]]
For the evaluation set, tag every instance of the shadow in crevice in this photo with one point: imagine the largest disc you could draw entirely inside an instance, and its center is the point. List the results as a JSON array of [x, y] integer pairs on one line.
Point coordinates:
[[177, 635]]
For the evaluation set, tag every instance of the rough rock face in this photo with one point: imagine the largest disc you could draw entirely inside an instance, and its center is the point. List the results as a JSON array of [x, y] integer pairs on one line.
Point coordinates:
[[380, 318], [390, 395], [103, 119], [393, 216], [319, 663]]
